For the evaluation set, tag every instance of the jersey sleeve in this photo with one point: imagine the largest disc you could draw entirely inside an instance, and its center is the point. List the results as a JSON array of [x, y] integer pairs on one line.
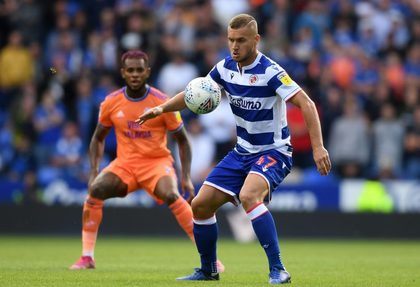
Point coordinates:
[[105, 114], [214, 74], [173, 121], [283, 84]]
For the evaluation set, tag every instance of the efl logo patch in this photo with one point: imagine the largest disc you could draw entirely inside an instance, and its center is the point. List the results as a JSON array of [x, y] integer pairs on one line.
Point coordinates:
[[253, 79], [285, 79]]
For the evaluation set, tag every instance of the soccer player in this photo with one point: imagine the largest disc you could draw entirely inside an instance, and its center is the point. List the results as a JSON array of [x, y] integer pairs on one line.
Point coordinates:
[[143, 160], [258, 90]]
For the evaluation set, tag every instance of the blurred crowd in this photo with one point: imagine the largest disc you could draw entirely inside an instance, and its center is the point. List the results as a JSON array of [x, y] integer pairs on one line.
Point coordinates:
[[358, 60]]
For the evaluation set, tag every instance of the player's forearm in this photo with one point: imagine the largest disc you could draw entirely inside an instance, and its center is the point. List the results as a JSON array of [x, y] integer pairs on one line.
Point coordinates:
[[185, 156], [176, 103], [96, 152], [311, 117]]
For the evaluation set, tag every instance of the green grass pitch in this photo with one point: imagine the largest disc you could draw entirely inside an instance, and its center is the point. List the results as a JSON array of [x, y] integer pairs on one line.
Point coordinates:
[[136, 261]]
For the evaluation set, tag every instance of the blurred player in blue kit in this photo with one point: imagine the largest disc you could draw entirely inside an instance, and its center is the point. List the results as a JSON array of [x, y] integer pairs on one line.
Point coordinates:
[[258, 89]]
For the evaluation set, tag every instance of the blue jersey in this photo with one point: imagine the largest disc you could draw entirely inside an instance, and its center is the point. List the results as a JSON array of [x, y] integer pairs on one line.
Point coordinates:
[[257, 94]]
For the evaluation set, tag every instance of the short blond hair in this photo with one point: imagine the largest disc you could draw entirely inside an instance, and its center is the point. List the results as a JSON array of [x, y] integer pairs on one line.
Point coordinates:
[[243, 20]]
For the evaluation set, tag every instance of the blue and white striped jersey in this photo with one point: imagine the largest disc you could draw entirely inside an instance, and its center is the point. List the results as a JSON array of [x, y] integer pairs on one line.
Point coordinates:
[[257, 96]]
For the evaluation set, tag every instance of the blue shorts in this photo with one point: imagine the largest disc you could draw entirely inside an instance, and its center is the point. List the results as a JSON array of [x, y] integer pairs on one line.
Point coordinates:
[[229, 175]]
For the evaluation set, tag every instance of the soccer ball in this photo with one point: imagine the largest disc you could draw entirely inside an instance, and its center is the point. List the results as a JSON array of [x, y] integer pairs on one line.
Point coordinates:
[[202, 95]]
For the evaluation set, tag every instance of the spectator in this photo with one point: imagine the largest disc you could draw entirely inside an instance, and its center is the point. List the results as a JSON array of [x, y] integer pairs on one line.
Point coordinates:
[[316, 18], [203, 152], [23, 162], [343, 68], [7, 149], [367, 77], [85, 107], [27, 18], [22, 113], [301, 142], [68, 154], [331, 109], [412, 147], [16, 68], [349, 142], [178, 68], [394, 75], [220, 125], [48, 120], [388, 133]]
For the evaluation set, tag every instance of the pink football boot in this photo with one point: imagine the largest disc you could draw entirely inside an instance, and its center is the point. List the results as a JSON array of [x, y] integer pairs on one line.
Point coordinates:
[[85, 262]]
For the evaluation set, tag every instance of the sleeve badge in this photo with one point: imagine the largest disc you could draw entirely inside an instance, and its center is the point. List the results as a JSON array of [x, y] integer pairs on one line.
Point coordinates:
[[285, 79], [178, 116]]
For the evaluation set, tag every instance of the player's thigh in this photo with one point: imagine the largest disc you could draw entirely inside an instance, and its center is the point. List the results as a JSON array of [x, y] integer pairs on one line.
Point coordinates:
[[208, 200], [154, 170], [108, 185], [254, 190], [228, 176], [166, 189]]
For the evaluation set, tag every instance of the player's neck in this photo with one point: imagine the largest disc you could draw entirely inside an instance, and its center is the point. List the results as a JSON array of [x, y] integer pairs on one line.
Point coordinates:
[[136, 93], [248, 61]]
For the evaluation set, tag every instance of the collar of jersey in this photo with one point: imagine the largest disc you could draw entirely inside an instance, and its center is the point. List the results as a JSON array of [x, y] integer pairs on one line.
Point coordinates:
[[136, 99], [252, 65]]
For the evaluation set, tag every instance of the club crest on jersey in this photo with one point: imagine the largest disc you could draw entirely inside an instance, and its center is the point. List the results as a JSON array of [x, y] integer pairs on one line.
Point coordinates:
[[285, 79], [253, 79]]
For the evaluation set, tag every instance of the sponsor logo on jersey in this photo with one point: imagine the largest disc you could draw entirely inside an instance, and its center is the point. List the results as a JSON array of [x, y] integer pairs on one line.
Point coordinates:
[[133, 125], [244, 104], [138, 134]]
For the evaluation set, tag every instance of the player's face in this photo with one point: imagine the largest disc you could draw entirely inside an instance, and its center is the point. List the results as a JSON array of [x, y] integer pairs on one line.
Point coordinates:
[[243, 45], [135, 72]]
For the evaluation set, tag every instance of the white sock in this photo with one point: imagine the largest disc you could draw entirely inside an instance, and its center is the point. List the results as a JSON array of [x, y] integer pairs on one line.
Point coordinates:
[[88, 253]]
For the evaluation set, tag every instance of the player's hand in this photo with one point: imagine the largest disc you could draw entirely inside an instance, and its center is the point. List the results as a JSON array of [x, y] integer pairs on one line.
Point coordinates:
[[322, 160], [150, 114], [187, 187]]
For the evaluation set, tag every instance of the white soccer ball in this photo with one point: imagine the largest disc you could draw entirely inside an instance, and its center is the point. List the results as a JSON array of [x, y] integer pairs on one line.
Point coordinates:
[[202, 95]]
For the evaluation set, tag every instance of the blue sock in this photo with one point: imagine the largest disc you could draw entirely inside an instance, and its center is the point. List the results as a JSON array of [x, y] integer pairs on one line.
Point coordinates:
[[265, 229], [205, 233]]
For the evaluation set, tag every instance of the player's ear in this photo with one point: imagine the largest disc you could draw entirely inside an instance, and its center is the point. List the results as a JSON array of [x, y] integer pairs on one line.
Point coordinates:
[[122, 73]]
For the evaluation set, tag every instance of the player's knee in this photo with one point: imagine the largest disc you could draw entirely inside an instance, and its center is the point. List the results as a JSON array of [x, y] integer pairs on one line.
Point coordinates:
[[170, 198], [247, 200], [98, 191], [199, 210]]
